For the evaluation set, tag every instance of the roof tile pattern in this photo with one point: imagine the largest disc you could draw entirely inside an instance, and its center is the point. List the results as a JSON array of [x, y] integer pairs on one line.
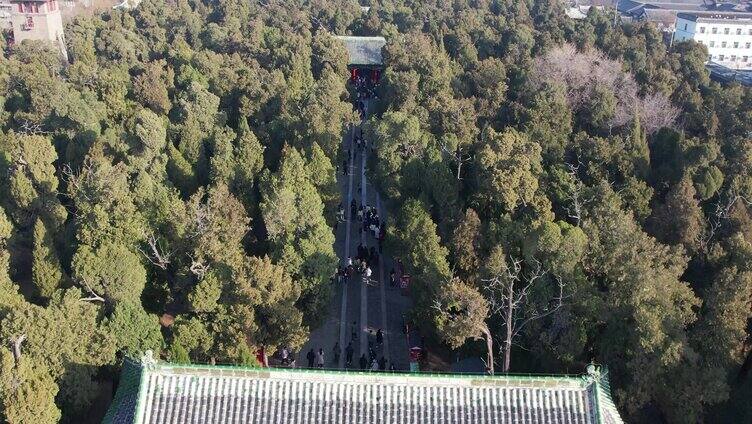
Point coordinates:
[[364, 51], [202, 394]]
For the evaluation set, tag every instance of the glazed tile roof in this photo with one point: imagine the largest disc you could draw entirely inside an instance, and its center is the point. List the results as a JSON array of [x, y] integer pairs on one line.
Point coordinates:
[[363, 50], [164, 393]]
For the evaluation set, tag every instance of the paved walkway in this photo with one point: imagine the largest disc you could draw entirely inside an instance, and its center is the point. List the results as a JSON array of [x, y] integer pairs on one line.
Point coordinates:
[[357, 309]]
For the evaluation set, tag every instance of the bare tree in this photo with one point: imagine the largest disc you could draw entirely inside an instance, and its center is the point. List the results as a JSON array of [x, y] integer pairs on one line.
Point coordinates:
[[721, 213], [576, 198], [157, 254], [198, 268], [90, 182], [508, 294], [15, 343], [458, 156], [200, 220], [31, 128], [581, 71]]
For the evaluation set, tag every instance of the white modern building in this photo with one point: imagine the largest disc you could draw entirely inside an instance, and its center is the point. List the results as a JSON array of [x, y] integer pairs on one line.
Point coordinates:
[[727, 36]]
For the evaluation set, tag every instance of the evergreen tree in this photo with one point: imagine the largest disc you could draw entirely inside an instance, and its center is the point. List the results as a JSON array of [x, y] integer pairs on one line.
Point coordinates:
[[679, 220], [27, 391], [46, 272], [466, 243], [301, 241], [134, 330], [508, 168]]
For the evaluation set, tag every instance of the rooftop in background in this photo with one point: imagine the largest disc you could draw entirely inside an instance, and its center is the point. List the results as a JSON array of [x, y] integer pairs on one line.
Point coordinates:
[[626, 6], [151, 392], [727, 75], [364, 51], [715, 16], [577, 12]]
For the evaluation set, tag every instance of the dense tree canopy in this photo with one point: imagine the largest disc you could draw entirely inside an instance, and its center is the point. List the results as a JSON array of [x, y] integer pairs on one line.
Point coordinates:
[[182, 164], [600, 166]]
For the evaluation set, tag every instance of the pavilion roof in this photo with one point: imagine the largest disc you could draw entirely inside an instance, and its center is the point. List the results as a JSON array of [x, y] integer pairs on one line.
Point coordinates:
[[364, 51], [151, 392]]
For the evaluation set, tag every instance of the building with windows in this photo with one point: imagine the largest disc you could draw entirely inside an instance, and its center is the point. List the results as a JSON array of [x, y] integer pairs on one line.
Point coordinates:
[[156, 393], [5, 15], [727, 36], [38, 20]]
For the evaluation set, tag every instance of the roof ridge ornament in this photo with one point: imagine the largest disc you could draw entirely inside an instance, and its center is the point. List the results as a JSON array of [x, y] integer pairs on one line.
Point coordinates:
[[593, 371], [148, 361]]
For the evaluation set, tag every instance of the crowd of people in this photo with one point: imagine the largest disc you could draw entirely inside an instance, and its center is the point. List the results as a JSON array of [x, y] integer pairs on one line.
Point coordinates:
[[367, 219], [366, 362], [365, 85]]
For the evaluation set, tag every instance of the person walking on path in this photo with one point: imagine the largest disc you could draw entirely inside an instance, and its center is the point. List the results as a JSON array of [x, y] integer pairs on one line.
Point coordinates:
[[382, 364], [285, 356], [363, 361], [354, 330], [311, 357], [379, 338], [337, 352], [349, 267], [367, 275], [349, 350], [374, 365], [320, 358], [382, 235]]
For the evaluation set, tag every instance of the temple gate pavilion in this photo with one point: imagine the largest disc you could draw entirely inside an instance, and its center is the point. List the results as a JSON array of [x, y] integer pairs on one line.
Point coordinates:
[[157, 392]]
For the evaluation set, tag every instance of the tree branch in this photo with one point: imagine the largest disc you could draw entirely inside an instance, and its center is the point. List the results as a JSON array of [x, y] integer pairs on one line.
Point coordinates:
[[156, 257], [15, 343], [93, 296]]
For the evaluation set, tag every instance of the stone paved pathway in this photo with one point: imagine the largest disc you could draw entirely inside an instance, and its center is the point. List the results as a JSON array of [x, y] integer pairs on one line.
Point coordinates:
[[357, 308]]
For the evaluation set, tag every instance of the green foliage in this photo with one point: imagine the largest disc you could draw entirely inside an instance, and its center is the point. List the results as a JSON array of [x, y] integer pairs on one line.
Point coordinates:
[[105, 210], [192, 336], [550, 121], [300, 239], [413, 238], [205, 294], [721, 331], [29, 191], [399, 141], [708, 182], [111, 270], [64, 333], [559, 246], [27, 392], [642, 286], [508, 168], [178, 355], [10, 298], [461, 313], [184, 159], [679, 220], [45, 269], [150, 87], [466, 240], [133, 330]]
